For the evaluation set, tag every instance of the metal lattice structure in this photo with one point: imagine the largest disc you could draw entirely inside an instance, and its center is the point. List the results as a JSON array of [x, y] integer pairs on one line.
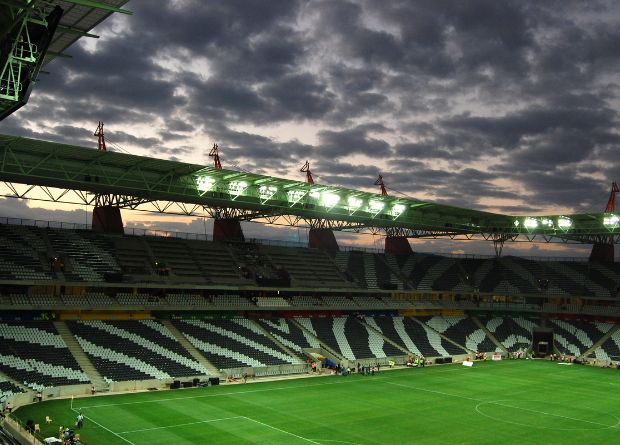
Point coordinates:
[[34, 32], [67, 173]]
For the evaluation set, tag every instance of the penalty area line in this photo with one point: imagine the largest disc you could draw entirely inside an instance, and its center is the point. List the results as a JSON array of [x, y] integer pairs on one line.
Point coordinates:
[[181, 424], [105, 428], [281, 430]]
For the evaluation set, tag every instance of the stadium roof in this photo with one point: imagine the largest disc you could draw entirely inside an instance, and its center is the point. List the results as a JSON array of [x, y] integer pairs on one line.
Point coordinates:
[[34, 32], [79, 17], [49, 164]]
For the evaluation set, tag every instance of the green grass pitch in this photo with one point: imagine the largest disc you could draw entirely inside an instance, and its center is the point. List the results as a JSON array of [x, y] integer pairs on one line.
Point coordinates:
[[511, 402]]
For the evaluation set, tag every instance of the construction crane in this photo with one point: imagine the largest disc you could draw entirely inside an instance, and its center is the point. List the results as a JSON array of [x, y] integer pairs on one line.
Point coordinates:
[[100, 137], [306, 169], [379, 182]]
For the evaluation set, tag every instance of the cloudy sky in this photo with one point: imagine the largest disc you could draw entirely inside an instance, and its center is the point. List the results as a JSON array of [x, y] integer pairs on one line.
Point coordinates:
[[505, 106]]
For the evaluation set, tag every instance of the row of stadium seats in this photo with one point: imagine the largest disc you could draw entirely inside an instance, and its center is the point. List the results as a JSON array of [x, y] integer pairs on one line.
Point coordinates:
[[35, 354], [93, 257], [7, 389]]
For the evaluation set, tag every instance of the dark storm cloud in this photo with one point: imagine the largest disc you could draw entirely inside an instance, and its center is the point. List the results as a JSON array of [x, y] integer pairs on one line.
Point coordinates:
[[337, 144], [448, 97], [251, 151]]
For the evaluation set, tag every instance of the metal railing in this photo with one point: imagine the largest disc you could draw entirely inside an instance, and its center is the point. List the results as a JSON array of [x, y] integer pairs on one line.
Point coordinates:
[[192, 236]]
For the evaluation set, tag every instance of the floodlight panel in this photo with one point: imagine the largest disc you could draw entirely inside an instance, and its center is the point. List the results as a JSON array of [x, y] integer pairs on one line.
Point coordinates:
[[375, 206], [204, 183], [237, 187], [330, 199], [397, 210]]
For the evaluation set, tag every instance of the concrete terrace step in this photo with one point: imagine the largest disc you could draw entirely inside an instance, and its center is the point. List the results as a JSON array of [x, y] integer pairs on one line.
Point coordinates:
[[190, 348], [80, 356]]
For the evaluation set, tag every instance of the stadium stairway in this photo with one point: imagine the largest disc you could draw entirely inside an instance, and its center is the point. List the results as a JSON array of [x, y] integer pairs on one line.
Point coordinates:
[[489, 334], [371, 324], [448, 339], [397, 276], [330, 353], [80, 357], [276, 341], [602, 340], [183, 341]]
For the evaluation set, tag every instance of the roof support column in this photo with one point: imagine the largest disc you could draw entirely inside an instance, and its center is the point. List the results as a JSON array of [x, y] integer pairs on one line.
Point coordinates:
[[323, 238], [107, 219], [396, 243], [227, 229]]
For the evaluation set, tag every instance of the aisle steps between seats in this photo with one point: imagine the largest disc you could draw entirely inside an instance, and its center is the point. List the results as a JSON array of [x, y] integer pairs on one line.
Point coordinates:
[[489, 334], [80, 357], [183, 341], [602, 340]]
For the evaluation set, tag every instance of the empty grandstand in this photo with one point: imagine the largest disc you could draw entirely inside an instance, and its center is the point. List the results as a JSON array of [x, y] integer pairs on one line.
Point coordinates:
[[98, 308]]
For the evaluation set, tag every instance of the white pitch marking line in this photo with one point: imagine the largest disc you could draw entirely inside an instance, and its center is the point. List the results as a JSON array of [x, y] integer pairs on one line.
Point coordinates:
[[106, 428], [171, 399], [551, 414], [181, 424], [283, 431], [500, 404], [434, 392], [232, 393]]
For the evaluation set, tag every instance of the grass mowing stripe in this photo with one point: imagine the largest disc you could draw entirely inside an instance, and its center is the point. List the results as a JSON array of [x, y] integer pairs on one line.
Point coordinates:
[[558, 405], [546, 414], [106, 428], [480, 402], [282, 431], [232, 393], [433, 391], [181, 424], [281, 388]]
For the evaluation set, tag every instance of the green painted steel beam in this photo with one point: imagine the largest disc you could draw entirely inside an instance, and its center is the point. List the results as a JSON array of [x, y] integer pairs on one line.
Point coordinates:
[[35, 162], [99, 5], [62, 55], [76, 32]]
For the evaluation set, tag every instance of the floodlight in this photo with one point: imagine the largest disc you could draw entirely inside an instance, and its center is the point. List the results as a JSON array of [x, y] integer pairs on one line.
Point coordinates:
[[547, 222], [397, 210], [611, 220], [517, 223], [237, 187], [267, 191], [354, 202], [564, 223], [204, 183], [530, 223], [330, 199], [295, 195], [375, 206]]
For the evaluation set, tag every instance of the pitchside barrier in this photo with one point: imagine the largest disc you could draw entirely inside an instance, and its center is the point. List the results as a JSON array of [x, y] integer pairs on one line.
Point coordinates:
[[266, 371]]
